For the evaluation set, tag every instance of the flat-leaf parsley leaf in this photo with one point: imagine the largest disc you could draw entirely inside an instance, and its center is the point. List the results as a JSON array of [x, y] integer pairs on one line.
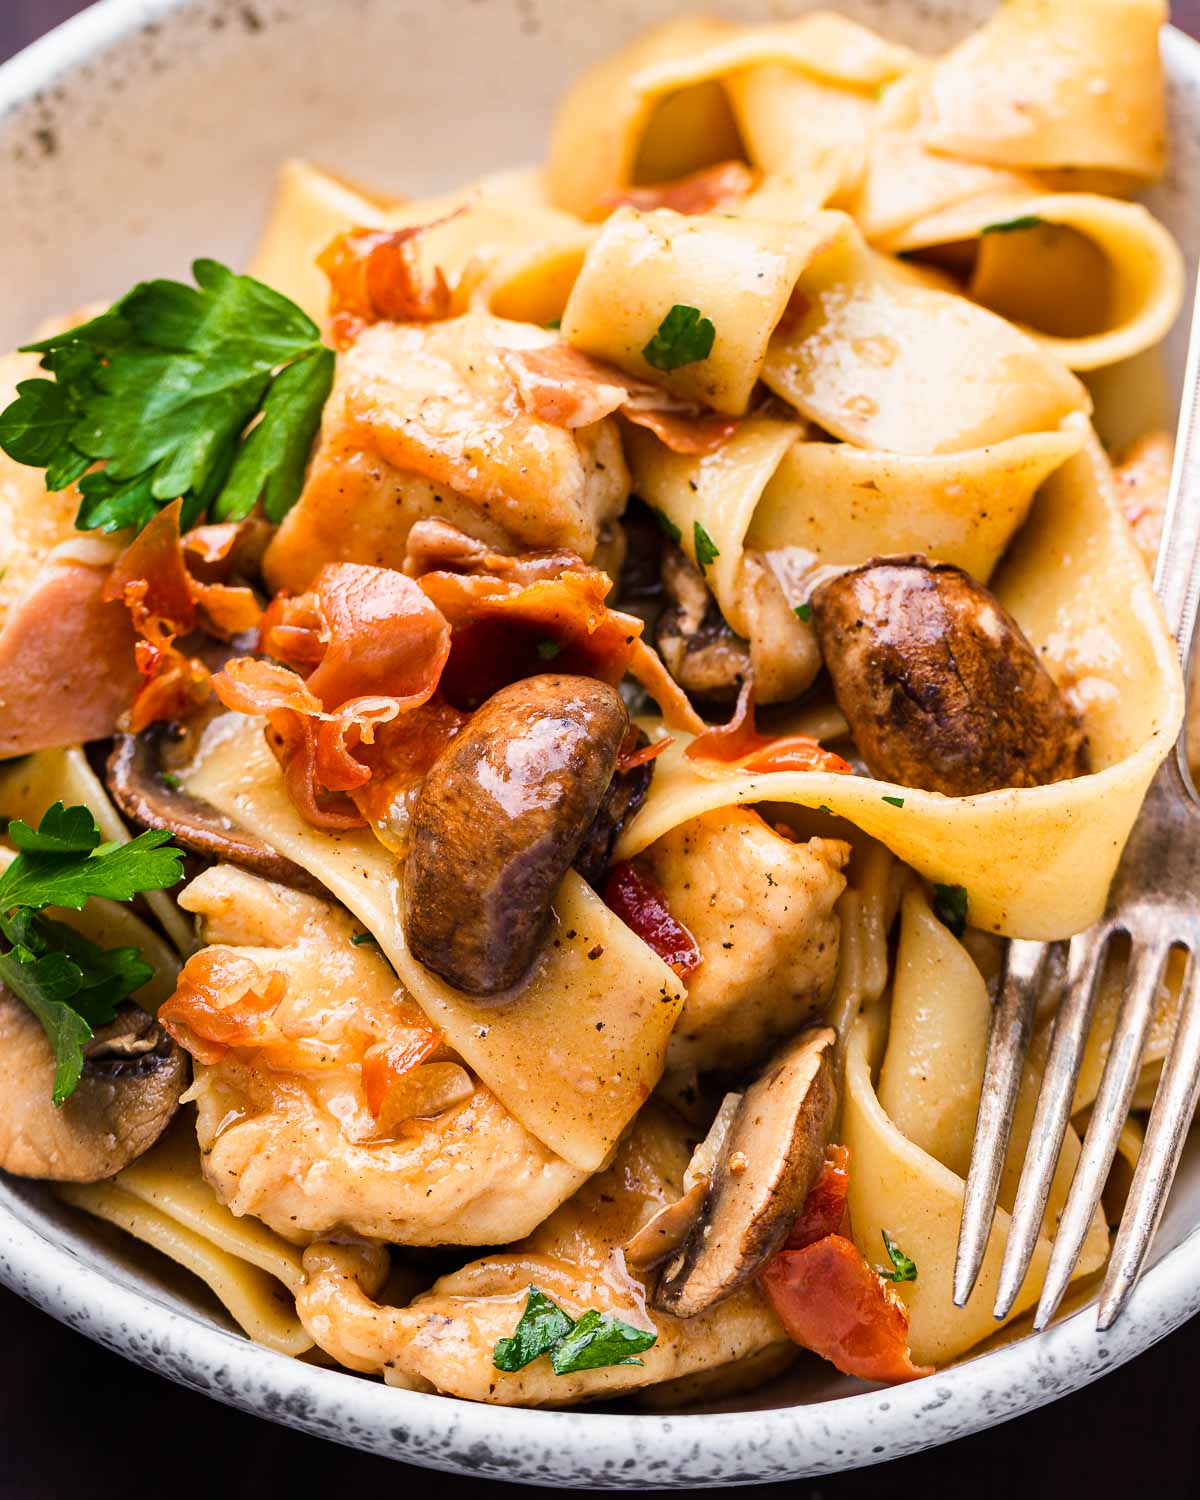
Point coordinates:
[[594, 1341], [707, 551], [70, 983], [950, 907], [903, 1269], [211, 393], [683, 338]]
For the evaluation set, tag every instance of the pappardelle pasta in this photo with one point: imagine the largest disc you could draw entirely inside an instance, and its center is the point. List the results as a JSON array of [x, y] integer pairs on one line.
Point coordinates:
[[526, 716]]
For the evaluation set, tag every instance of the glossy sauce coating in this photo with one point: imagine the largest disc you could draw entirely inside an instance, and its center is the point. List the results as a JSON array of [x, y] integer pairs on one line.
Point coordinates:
[[940, 686], [501, 816]]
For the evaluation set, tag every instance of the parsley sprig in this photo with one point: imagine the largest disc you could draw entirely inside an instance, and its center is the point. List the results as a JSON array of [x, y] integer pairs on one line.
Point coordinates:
[[212, 393], [69, 983], [593, 1341]]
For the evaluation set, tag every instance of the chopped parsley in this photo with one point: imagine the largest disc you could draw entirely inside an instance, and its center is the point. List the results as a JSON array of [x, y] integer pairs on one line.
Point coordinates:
[[825, 808], [364, 940], [950, 907], [894, 801], [903, 1269], [706, 549], [70, 983], [803, 612], [169, 779], [554, 323], [669, 528], [592, 1342], [164, 388], [1012, 226], [683, 338], [548, 650]]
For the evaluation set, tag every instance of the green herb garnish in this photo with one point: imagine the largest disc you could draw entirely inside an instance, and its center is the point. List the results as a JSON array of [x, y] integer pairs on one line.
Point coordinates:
[[554, 323], [803, 612], [903, 1269], [683, 338], [543, 1324], [548, 650], [1011, 226], [895, 801], [364, 940], [592, 1342], [163, 388], [706, 549], [70, 983], [950, 907], [168, 778], [669, 528]]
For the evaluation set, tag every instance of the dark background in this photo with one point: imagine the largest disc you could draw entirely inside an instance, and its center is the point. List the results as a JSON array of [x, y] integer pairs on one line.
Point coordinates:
[[77, 1421]]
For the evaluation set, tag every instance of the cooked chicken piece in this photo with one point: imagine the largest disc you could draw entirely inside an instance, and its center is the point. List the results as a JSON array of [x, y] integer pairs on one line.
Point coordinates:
[[708, 659], [284, 1127], [424, 420], [761, 908], [447, 1337]]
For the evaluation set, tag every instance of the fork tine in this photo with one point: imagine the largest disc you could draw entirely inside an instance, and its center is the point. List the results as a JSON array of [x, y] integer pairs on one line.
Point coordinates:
[[1008, 1043], [1108, 1118], [1085, 956], [1174, 1106]]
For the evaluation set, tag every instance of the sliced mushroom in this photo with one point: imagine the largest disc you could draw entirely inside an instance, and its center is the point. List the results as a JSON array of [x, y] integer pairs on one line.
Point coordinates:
[[133, 1076], [770, 1159], [940, 686], [701, 652], [663, 1233], [146, 789], [501, 815]]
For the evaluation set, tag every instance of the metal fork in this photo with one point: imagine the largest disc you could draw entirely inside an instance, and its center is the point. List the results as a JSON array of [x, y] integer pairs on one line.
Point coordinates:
[[1155, 903]]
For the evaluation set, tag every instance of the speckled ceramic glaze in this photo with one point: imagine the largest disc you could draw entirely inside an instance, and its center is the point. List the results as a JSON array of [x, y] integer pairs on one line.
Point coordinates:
[[146, 132]]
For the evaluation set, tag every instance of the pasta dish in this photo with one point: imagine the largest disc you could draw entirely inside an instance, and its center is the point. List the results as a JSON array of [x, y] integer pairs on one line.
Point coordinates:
[[527, 718]]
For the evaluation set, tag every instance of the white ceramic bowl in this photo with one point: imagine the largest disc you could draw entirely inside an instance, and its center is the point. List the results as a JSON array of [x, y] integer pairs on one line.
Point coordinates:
[[145, 132]]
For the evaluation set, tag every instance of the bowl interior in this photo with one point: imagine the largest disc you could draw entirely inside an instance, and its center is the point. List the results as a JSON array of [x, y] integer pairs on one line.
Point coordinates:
[[144, 134]]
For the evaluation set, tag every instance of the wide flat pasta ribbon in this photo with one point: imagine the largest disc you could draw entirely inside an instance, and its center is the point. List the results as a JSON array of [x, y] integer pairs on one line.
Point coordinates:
[[1055, 83], [909, 1138], [163, 1200], [1036, 862], [864, 349], [573, 1055], [820, 504], [698, 90]]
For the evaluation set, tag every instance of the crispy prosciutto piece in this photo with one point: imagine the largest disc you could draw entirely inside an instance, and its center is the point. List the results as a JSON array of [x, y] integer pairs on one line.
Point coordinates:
[[374, 647], [827, 1296], [166, 601], [386, 1063], [561, 385], [67, 670], [642, 907], [737, 745], [698, 193], [222, 1000], [504, 630], [376, 276]]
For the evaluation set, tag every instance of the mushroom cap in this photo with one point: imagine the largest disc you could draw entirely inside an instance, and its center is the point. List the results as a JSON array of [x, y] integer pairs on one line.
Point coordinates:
[[771, 1156], [135, 776], [133, 1076]]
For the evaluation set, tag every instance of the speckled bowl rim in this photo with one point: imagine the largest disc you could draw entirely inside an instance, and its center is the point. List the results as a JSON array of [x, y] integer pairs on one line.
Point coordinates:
[[579, 1449]]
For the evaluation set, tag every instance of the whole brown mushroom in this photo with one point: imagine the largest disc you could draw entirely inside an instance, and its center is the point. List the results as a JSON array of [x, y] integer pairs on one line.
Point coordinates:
[[500, 817], [939, 684]]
